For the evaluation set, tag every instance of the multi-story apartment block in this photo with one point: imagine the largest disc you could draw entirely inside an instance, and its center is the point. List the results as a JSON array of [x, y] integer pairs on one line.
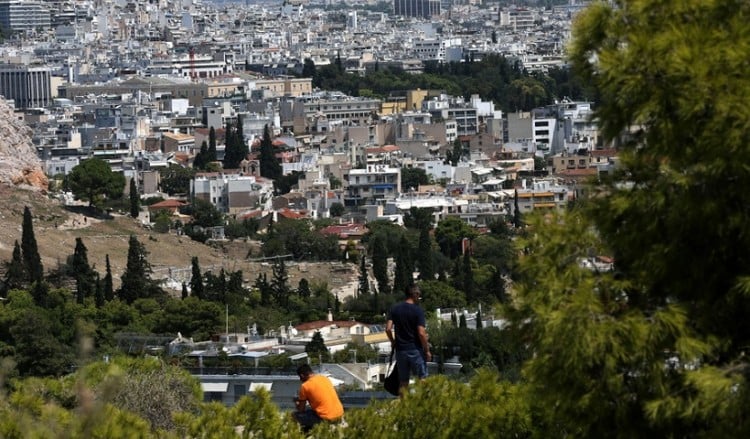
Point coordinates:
[[283, 86], [27, 86], [336, 108], [178, 142], [22, 15], [416, 8], [517, 19], [542, 194], [191, 66], [560, 124], [229, 193], [370, 184], [439, 49]]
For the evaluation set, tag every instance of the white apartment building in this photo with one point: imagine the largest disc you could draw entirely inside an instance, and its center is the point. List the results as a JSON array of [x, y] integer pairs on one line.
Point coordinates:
[[190, 66], [370, 184], [229, 193], [435, 49]]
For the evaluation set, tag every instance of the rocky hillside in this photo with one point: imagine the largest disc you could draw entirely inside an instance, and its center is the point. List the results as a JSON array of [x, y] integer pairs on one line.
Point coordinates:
[[19, 164]]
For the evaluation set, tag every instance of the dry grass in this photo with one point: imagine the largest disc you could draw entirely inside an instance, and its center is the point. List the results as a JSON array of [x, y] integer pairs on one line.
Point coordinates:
[[56, 228]]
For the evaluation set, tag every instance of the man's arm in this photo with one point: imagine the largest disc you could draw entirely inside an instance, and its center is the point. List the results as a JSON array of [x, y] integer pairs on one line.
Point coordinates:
[[425, 344], [389, 331], [300, 404]]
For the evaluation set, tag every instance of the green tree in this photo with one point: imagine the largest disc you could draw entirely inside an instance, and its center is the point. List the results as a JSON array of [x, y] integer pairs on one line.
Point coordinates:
[[15, 273], [450, 233], [664, 333], [135, 199], [303, 289], [517, 217], [269, 164], [308, 68], [336, 210], [175, 179], [206, 214], [136, 282], [411, 178], [93, 179], [317, 347], [425, 260], [380, 264], [211, 151], [364, 282], [467, 278], [279, 283], [29, 249], [404, 272], [196, 279], [99, 299], [109, 292], [201, 158], [78, 266]]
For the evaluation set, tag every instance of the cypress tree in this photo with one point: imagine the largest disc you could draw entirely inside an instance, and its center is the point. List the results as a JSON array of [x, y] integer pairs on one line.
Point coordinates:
[[109, 293], [242, 148], [99, 299], [279, 283], [40, 293], [229, 147], [269, 165], [196, 279], [29, 250], [467, 275], [14, 270], [201, 159], [211, 151], [135, 199], [404, 275], [136, 280], [517, 223], [303, 288], [364, 282], [184, 291], [380, 264], [426, 264], [81, 270]]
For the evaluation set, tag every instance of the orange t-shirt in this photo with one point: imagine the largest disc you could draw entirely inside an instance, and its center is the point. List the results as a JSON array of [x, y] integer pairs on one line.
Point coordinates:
[[321, 395]]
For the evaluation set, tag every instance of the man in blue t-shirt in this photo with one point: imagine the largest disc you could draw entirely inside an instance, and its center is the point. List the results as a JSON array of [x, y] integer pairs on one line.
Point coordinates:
[[410, 341]]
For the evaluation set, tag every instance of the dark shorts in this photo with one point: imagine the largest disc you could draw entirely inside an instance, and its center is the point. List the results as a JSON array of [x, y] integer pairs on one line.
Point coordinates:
[[410, 362], [307, 419]]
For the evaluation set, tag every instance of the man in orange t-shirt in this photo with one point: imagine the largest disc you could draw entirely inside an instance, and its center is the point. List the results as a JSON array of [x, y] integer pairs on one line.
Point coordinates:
[[319, 392]]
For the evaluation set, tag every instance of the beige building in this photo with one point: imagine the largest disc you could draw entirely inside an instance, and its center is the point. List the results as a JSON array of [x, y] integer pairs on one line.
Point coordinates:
[[178, 142]]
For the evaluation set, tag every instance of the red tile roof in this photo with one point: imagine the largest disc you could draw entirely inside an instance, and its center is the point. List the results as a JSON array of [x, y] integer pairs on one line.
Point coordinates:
[[167, 204], [344, 231], [290, 214]]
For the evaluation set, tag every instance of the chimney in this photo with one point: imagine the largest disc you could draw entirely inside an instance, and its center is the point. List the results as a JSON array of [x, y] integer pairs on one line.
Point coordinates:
[[330, 315]]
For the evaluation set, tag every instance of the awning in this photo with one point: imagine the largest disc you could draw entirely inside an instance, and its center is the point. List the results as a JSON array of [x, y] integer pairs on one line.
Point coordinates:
[[255, 386], [214, 387]]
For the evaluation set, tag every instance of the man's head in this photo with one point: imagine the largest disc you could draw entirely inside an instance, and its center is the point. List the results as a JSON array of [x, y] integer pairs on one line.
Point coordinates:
[[412, 292], [304, 372]]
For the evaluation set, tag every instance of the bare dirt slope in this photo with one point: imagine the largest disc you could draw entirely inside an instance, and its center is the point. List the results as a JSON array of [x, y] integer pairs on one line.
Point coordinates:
[[56, 228]]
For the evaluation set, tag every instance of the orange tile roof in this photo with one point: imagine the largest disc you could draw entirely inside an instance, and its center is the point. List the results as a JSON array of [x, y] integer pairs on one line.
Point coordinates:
[[290, 214], [171, 203]]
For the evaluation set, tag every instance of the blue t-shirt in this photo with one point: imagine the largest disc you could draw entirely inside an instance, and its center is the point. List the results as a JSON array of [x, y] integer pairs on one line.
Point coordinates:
[[407, 317]]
